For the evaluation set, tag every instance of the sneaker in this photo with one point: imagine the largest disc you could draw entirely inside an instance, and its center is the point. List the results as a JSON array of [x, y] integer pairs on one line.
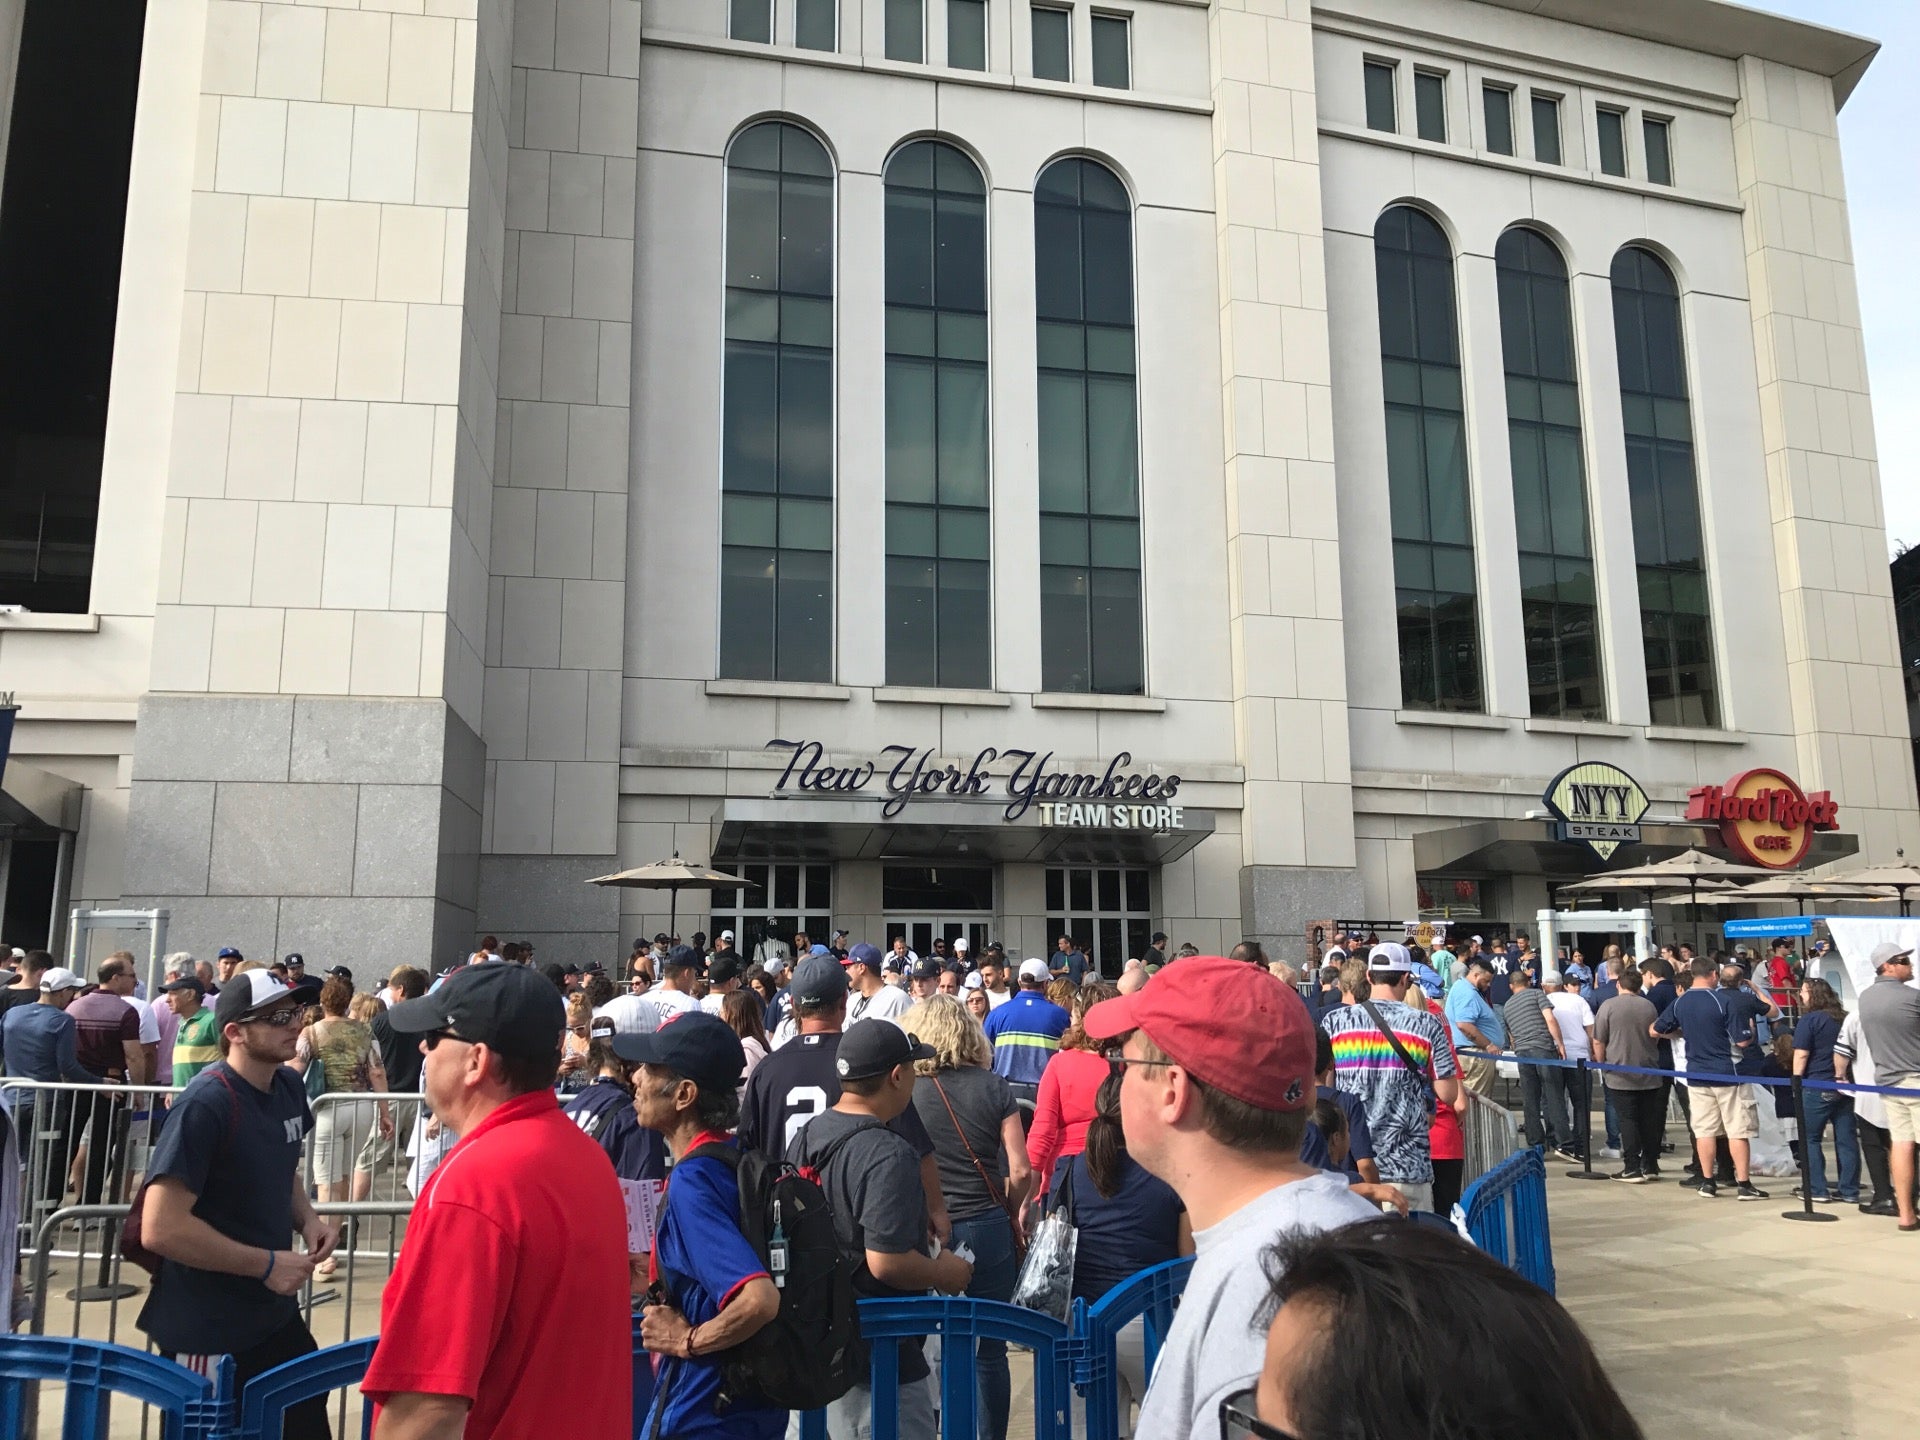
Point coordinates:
[[1879, 1207], [1691, 1179], [1709, 1190], [1572, 1156], [1747, 1190], [1631, 1177], [1654, 1177], [1799, 1193], [1609, 1152]]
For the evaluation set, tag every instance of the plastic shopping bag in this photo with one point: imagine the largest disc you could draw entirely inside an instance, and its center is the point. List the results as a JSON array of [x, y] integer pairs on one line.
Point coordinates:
[[1046, 1278]]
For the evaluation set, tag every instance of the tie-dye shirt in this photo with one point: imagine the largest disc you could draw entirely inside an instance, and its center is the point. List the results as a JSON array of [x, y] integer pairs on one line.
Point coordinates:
[[1399, 1105]]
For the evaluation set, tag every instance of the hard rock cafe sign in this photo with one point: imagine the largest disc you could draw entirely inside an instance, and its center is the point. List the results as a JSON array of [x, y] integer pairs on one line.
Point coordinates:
[[1764, 816]]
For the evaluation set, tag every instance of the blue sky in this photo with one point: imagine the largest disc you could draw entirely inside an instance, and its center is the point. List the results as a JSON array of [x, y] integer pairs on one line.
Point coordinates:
[[1879, 131]]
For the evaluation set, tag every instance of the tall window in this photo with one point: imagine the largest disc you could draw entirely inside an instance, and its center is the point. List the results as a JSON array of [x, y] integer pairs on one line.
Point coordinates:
[[776, 512], [1112, 53], [1052, 45], [1546, 129], [1430, 104], [815, 23], [1498, 102], [1611, 126], [1090, 610], [1674, 618], [1377, 77], [1657, 134], [1427, 464], [938, 570], [967, 34], [906, 30], [1107, 909], [1559, 610]]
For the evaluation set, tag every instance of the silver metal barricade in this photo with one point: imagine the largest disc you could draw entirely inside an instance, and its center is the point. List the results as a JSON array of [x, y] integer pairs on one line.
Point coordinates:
[[1492, 1134]]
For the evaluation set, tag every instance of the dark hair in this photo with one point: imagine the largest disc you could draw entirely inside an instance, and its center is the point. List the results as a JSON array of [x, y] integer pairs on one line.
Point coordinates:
[[1322, 1051], [1821, 996], [1438, 1320], [866, 1086], [524, 1074], [716, 1109], [1661, 967], [36, 961], [410, 981], [1106, 1141], [1234, 1122], [1249, 951], [1329, 974], [598, 990], [556, 975], [742, 1011], [600, 1057], [336, 995], [114, 969], [1700, 967], [1329, 1118], [1480, 962], [1629, 978]]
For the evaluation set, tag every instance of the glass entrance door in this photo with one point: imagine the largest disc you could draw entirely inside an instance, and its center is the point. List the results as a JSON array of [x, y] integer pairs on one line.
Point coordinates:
[[922, 930]]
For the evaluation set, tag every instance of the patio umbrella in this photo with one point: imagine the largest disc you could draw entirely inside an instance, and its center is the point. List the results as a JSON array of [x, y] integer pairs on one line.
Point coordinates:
[[673, 876], [1795, 888], [1901, 877]]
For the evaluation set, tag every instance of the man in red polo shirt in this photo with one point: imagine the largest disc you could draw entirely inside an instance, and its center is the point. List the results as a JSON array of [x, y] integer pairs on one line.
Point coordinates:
[[507, 1316]]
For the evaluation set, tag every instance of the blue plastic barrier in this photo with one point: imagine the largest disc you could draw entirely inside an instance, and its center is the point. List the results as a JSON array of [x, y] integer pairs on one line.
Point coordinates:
[[268, 1396], [1147, 1297], [94, 1372], [960, 1322], [1506, 1214]]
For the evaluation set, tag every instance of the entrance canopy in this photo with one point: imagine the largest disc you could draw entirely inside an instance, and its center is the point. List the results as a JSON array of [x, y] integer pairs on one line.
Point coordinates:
[[37, 804], [828, 829], [1528, 847]]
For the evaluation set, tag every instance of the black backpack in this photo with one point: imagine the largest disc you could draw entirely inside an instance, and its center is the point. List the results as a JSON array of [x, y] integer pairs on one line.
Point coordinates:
[[811, 1352]]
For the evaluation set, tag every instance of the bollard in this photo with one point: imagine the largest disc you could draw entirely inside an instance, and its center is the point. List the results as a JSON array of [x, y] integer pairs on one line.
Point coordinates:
[[1806, 1210], [1586, 1170]]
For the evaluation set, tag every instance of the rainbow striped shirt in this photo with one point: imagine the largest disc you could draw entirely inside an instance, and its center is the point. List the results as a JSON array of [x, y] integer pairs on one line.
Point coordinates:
[[1399, 1104]]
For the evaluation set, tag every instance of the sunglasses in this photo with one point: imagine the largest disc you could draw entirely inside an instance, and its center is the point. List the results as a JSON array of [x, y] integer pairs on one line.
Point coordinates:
[[284, 1016], [432, 1038], [1238, 1422]]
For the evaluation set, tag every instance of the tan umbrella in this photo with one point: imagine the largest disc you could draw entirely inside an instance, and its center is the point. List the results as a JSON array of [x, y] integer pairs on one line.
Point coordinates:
[[1901, 877], [1792, 887], [673, 876]]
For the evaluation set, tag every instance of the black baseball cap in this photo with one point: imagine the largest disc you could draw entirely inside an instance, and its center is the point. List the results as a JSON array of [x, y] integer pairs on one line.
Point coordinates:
[[1157, 937], [817, 980], [296, 958], [681, 957], [252, 992], [700, 1046], [185, 982], [929, 968], [338, 972], [508, 1008], [724, 967], [662, 938], [874, 1047]]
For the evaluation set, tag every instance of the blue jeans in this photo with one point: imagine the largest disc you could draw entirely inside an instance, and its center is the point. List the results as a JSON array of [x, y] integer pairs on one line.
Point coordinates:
[[995, 1269], [1824, 1106]]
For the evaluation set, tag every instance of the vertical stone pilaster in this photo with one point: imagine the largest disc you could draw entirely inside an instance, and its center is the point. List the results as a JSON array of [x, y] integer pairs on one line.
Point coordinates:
[[1289, 666], [1829, 531]]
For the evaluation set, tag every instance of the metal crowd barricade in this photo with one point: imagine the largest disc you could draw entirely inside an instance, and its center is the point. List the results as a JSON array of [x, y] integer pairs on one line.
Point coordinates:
[[1492, 1134], [1147, 1297], [1505, 1214]]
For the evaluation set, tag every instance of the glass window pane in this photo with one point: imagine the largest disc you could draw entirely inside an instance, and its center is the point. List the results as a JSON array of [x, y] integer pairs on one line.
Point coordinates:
[[909, 245], [806, 525], [746, 612], [1138, 900], [1430, 104], [1111, 63], [966, 648], [806, 236], [1613, 141], [749, 457], [1498, 105], [1659, 152], [750, 20], [1062, 347], [1063, 442], [749, 520], [803, 631], [1529, 487], [1566, 492], [1446, 455], [963, 435], [1052, 56], [1406, 474], [967, 34], [1107, 266], [1112, 447], [805, 321], [1107, 885], [1080, 890], [752, 315], [910, 427], [963, 534], [912, 614], [1114, 618], [813, 24], [1056, 243], [911, 530], [909, 332], [1115, 543], [806, 422], [1110, 348], [960, 253], [1056, 889], [1063, 540], [1546, 130], [906, 24], [753, 226], [1065, 664], [1380, 105]]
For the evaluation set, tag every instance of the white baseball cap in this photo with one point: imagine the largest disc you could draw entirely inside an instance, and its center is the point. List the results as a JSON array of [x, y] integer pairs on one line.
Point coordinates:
[[1034, 969], [60, 978], [961, 943], [727, 935], [973, 982], [1389, 959]]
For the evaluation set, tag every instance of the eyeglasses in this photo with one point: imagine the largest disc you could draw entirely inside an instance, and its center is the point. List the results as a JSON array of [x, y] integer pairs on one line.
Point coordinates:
[[284, 1016], [1238, 1422], [1119, 1063], [432, 1038]]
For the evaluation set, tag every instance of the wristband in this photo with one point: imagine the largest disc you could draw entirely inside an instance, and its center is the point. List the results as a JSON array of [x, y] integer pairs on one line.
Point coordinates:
[[269, 1271], [689, 1345]]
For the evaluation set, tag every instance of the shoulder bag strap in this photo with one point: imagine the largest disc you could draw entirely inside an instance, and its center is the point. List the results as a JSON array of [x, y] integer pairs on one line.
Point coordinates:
[[1398, 1048], [986, 1177]]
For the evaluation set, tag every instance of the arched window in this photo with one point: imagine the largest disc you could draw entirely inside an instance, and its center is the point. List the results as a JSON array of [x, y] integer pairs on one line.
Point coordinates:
[[776, 478], [1674, 619], [1427, 464], [1559, 609], [1090, 609], [939, 615]]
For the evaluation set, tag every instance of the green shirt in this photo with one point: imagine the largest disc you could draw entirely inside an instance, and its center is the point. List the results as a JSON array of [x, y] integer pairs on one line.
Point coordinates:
[[195, 1046]]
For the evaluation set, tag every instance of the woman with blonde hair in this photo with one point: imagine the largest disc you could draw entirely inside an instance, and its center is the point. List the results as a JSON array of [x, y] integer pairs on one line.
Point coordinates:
[[981, 1152], [1069, 1086], [350, 1062]]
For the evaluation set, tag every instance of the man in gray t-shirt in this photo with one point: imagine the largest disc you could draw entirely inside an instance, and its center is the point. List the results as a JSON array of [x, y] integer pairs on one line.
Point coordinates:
[[1534, 1034], [1218, 1085], [1890, 1021]]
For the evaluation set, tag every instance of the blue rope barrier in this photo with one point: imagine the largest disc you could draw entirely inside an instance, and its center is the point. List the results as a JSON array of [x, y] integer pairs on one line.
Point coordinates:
[[1692, 1076]]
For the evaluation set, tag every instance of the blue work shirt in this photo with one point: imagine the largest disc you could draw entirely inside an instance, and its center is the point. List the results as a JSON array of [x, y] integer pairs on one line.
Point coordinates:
[[1026, 1034], [41, 1043]]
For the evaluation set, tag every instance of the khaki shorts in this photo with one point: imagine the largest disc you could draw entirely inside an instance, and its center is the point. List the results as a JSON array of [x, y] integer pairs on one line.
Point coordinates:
[[1903, 1118], [1718, 1110]]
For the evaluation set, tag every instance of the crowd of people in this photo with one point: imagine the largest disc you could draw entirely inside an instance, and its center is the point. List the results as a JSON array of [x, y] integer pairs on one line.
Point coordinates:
[[1289, 1133]]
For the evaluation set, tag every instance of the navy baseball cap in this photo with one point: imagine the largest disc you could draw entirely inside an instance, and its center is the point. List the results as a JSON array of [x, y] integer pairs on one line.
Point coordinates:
[[874, 1048], [227, 952], [699, 1046], [508, 1008], [681, 957], [929, 968], [185, 982], [818, 980], [863, 954]]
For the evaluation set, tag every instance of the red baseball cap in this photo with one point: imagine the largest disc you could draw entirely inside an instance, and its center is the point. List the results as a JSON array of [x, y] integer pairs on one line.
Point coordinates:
[[1231, 1024]]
